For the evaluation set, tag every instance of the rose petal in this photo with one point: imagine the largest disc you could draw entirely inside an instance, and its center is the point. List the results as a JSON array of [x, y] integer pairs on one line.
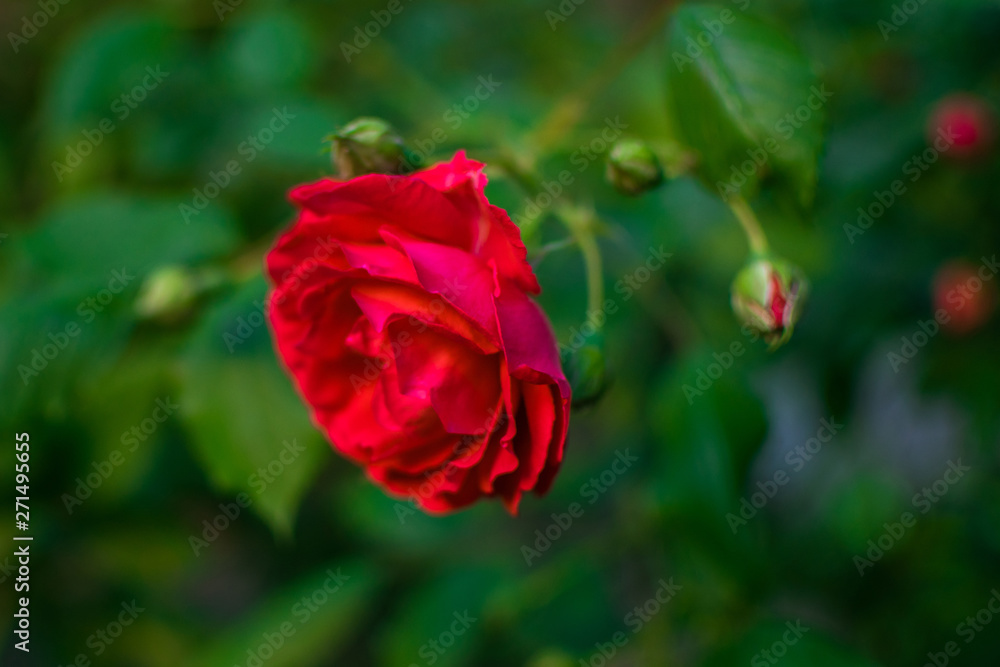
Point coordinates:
[[460, 382]]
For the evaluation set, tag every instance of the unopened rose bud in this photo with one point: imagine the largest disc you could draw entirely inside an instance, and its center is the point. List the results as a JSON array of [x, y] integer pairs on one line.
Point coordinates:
[[167, 293], [633, 168], [768, 295], [368, 146], [586, 373]]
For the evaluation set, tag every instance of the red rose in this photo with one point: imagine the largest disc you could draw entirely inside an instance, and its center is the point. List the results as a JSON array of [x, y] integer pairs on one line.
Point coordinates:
[[401, 310]]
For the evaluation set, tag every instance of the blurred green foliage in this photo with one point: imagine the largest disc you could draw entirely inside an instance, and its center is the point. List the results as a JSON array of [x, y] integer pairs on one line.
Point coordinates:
[[221, 559]]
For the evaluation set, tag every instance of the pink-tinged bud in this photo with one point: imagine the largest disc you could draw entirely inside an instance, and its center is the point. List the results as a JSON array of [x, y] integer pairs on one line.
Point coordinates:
[[965, 123], [767, 295]]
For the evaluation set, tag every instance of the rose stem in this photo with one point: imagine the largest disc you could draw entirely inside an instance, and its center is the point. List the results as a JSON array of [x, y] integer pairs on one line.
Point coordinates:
[[751, 227], [580, 223]]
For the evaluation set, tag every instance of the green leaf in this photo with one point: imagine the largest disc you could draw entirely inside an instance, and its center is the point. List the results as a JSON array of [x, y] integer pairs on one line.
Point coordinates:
[[744, 97], [708, 456], [86, 238], [106, 59], [243, 414], [278, 32], [447, 611], [52, 338], [119, 404], [308, 621]]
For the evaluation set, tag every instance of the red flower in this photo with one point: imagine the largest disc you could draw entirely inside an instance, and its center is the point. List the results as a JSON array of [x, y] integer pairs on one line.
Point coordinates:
[[401, 310], [961, 292], [965, 121]]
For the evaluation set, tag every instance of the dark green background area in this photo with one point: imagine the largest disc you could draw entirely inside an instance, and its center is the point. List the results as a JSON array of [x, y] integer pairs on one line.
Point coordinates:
[[279, 566]]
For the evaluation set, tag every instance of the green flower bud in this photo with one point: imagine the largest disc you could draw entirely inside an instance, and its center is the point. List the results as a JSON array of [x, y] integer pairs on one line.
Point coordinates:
[[767, 295], [585, 370], [368, 146], [167, 293], [633, 168]]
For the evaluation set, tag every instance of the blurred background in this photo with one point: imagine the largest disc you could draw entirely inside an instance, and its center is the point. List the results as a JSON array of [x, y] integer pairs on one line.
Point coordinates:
[[831, 503]]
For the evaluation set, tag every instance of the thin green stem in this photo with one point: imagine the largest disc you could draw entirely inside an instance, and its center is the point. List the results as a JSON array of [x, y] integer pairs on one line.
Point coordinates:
[[580, 223], [751, 227], [595, 276], [561, 121]]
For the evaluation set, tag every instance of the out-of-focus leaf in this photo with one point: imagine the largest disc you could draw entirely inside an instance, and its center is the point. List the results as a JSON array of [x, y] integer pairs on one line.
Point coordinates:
[[51, 339], [566, 601], [248, 428], [439, 622], [282, 36], [126, 407], [704, 461], [739, 89], [310, 621], [85, 239], [107, 60], [278, 136]]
